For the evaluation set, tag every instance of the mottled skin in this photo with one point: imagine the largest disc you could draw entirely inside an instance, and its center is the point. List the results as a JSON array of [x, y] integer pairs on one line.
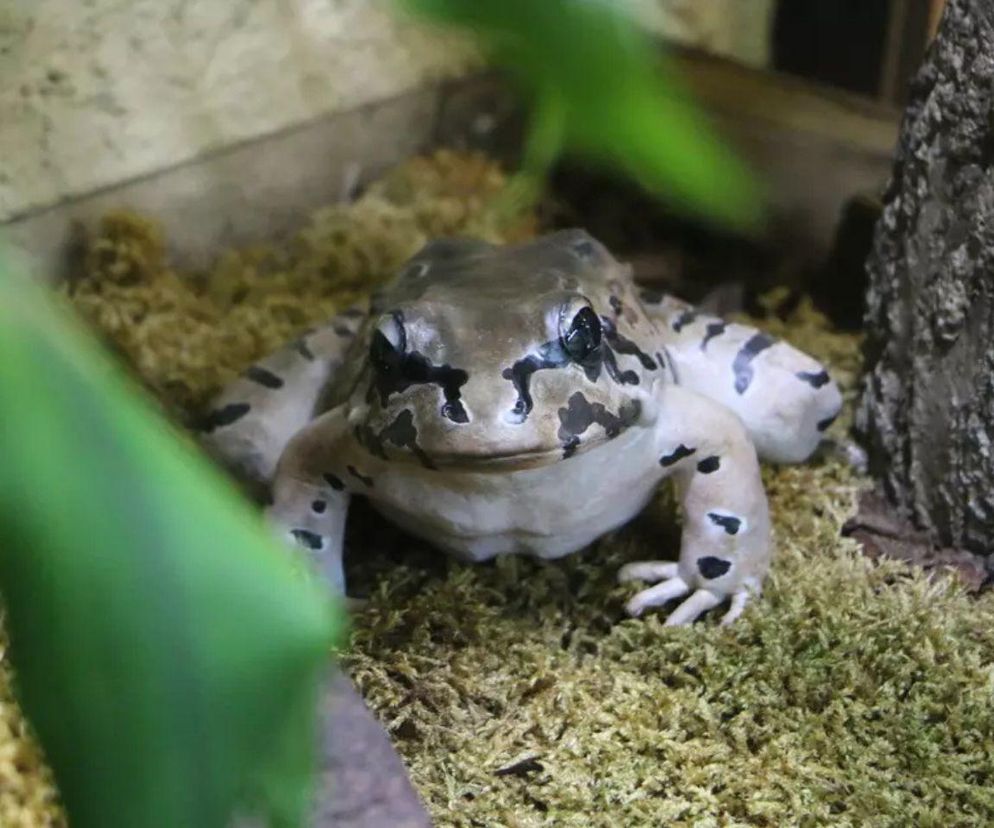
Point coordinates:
[[527, 399]]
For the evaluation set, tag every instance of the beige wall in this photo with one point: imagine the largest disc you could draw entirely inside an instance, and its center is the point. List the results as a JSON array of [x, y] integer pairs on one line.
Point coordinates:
[[98, 92], [737, 29], [94, 93]]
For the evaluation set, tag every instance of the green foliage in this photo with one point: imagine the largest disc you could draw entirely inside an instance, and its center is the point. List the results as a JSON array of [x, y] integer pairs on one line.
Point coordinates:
[[167, 652], [600, 88]]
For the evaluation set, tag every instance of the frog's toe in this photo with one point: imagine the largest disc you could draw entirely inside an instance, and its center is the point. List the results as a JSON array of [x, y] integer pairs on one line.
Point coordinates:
[[691, 609], [650, 571], [739, 601], [656, 596]]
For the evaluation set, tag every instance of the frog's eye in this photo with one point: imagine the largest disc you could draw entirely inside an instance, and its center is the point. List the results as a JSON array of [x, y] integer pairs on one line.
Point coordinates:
[[386, 349], [582, 335]]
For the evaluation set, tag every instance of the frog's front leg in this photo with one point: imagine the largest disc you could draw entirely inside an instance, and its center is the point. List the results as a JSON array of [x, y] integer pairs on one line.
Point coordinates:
[[725, 547], [254, 417], [311, 492]]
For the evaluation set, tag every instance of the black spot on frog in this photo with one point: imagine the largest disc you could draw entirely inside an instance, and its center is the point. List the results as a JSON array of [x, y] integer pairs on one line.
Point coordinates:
[[224, 416], [395, 370], [712, 568], [729, 523], [742, 365], [401, 433], [676, 455], [579, 414]]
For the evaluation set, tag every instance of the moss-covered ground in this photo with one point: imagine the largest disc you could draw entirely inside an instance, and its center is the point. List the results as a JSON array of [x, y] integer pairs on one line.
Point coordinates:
[[854, 693]]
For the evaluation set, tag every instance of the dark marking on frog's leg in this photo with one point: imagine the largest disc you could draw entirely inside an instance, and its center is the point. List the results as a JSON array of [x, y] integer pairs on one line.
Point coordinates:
[[713, 329], [742, 364], [300, 346], [318, 506], [263, 377], [650, 296], [709, 465], [579, 414], [676, 455], [816, 379], [343, 331], [666, 364], [334, 481], [358, 475], [623, 345], [353, 313], [225, 416], [823, 425], [685, 319], [729, 523], [616, 305], [312, 540], [711, 567]]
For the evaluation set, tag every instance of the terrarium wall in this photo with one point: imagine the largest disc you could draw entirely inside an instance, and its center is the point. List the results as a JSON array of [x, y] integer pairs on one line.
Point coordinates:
[[99, 93], [736, 29]]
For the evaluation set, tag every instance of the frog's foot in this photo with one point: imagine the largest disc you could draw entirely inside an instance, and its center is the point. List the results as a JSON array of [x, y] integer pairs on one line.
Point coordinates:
[[671, 586], [725, 544]]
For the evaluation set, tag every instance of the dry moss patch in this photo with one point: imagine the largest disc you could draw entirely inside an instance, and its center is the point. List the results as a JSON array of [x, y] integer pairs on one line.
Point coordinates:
[[854, 693]]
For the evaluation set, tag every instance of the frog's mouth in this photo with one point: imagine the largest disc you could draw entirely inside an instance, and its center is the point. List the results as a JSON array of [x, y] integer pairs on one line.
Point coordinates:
[[497, 461]]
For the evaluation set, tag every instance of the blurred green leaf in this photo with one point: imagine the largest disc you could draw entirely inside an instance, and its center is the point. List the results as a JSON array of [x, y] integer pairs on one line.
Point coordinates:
[[600, 87], [168, 653]]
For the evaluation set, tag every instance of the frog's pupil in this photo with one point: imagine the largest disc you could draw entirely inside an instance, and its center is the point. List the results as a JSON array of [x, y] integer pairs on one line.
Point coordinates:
[[584, 334]]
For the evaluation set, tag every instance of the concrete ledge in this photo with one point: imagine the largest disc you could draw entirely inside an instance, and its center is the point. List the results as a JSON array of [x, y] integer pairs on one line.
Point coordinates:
[[259, 190]]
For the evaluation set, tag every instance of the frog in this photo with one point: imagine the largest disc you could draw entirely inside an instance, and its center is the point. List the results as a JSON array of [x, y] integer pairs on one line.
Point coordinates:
[[530, 398]]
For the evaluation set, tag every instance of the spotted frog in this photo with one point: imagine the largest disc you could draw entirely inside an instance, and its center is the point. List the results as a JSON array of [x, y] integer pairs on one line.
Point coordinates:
[[529, 399]]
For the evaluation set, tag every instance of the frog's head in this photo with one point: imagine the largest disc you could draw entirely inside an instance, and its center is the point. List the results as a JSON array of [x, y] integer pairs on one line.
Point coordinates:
[[496, 357]]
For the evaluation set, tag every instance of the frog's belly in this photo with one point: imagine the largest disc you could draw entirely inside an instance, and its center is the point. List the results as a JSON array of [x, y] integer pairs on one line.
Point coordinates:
[[548, 511]]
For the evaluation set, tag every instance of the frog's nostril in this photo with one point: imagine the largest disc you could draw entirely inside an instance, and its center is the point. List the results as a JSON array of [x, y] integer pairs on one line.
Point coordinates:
[[455, 411], [517, 415]]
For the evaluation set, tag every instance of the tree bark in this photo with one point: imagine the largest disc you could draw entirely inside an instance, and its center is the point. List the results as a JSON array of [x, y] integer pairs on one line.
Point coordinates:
[[927, 410]]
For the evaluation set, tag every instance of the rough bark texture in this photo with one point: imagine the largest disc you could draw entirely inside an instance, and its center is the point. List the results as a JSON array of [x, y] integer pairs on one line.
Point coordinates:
[[927, 411]]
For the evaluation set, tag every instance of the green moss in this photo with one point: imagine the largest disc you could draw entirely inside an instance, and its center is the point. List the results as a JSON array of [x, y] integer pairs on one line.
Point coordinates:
[[853, 693]]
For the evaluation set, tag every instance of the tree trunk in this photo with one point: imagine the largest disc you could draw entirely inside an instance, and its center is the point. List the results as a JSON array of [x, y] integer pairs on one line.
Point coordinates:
[[927, 411]]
